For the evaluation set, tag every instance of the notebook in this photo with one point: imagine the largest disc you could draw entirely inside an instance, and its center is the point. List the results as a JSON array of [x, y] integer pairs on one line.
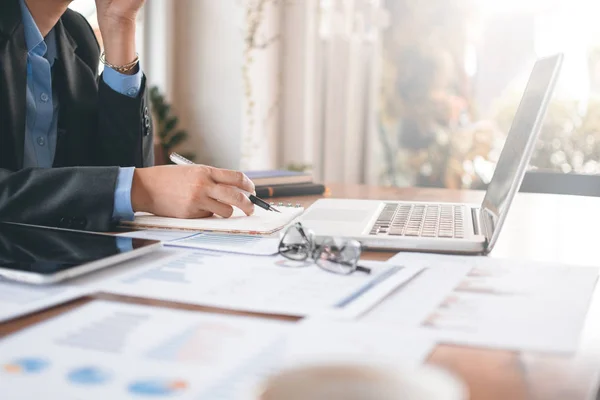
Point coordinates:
[[278, 177], [299, 189], [262, 222]]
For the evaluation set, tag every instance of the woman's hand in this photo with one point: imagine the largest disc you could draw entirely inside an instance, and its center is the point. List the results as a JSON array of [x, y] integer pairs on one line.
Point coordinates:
[[117, 12], [193, 191], [116, 19]]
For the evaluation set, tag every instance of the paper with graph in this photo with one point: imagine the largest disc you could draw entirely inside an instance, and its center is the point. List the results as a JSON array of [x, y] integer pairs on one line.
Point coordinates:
[[490, 302], [242, 244], [272, 285], [262, 222], [108, 350]]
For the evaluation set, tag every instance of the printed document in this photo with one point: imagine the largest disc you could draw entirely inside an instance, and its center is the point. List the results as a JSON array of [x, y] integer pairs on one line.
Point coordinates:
[[108, 350], [242, 244], [489, 302], [260, 284]]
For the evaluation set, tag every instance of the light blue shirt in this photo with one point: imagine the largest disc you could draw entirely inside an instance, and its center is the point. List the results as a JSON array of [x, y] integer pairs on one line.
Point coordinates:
[[42, 108]]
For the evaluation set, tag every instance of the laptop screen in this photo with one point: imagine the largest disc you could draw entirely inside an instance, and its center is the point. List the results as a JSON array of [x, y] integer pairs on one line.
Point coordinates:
[[519, 146]]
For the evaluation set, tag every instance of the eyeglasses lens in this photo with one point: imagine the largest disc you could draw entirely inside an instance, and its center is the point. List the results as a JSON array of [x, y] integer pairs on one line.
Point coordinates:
[[339, 256], [294, 245]]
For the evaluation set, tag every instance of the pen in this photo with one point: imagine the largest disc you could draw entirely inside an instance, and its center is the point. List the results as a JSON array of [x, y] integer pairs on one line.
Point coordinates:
[[180, 160]]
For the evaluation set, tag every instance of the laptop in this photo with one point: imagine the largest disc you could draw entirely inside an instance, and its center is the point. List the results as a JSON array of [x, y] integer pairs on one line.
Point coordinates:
[[447, 227]]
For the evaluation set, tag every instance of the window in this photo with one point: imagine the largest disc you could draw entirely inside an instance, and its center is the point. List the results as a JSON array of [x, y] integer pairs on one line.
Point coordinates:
[[453, 73]]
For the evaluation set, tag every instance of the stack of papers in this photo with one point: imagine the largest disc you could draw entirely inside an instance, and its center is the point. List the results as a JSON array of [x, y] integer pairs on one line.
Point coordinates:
[[111, 350]]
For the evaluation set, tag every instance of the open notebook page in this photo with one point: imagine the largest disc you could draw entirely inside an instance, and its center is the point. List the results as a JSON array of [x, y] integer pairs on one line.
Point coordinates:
[[262, 222]]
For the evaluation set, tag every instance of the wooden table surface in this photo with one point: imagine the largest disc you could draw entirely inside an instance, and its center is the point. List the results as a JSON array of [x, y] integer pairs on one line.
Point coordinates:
[[539, 227]]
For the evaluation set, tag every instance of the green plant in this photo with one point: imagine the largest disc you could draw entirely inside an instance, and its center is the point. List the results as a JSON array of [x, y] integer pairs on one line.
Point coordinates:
[[168, 135], [298, 167]]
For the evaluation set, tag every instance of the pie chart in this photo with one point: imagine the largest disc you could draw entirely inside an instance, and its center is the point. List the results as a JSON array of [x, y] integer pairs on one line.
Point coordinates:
[[157, 387], [26, 365], [89, 376]]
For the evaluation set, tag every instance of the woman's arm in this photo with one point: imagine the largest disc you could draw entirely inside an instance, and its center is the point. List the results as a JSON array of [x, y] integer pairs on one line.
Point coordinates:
[[125, 135]]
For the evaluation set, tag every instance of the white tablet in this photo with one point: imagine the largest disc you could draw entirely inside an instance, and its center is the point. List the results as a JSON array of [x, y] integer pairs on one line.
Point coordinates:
[[39, 255]]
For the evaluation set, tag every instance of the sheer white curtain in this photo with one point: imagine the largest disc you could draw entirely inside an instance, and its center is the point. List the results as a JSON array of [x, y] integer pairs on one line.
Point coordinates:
[[313, 76], [158, 44], [331, 75]]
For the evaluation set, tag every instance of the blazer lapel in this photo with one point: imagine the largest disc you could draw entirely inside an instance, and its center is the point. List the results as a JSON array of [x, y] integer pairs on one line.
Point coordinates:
[[13, 86], [76, 85], [67, 59], [65, 82]]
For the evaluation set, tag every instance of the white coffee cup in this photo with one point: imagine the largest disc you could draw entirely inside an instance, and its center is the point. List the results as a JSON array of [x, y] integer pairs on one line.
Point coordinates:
[[362, 382]]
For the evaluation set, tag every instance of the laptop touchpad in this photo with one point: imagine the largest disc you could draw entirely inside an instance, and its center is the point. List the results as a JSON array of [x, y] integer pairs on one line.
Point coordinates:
[[337, 215]]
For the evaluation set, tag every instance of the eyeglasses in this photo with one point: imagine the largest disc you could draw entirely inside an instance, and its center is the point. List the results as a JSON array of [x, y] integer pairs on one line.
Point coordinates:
[[336, 255]]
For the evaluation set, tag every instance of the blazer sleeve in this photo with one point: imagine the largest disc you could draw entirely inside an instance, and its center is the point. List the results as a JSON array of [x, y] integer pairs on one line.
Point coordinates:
[[125, 128], [72, 197]]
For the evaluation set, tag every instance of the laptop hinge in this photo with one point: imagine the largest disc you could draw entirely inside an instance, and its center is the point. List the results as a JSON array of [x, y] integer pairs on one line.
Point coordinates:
[[486, 224], [475, 220]]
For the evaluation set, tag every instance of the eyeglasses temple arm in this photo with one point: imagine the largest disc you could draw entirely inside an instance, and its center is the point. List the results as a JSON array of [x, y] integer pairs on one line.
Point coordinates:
[[363, 269]]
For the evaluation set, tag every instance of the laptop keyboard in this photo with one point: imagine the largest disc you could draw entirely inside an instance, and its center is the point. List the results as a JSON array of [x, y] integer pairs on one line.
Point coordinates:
[[421, 220]]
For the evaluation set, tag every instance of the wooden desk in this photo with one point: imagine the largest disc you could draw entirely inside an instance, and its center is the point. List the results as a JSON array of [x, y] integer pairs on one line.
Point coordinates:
[[539, 227]]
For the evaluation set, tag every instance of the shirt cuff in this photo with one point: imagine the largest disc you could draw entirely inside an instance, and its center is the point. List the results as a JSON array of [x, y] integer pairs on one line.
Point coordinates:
[[122, 208], [128, 85]]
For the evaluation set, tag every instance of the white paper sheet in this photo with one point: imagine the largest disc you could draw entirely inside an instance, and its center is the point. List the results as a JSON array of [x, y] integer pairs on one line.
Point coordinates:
[[107, 350], [242, 244], [319, 340], [157, 234], [260, 284], [17, 299], [498, 303], [411, 304]]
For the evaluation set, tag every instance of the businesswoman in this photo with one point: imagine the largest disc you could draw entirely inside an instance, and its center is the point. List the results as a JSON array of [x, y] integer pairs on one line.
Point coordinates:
[[76, 148]]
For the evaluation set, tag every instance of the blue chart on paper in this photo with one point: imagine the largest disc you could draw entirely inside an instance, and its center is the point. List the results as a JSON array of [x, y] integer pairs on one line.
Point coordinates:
[[89, 376], [157, 387], [221, 240], [26, 365]]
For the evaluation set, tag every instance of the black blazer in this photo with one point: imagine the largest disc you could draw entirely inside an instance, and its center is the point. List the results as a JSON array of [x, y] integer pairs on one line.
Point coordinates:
[[98, 130]]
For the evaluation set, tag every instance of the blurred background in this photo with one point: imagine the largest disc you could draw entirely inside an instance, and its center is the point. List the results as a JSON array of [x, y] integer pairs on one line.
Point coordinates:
[[396, 92]]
